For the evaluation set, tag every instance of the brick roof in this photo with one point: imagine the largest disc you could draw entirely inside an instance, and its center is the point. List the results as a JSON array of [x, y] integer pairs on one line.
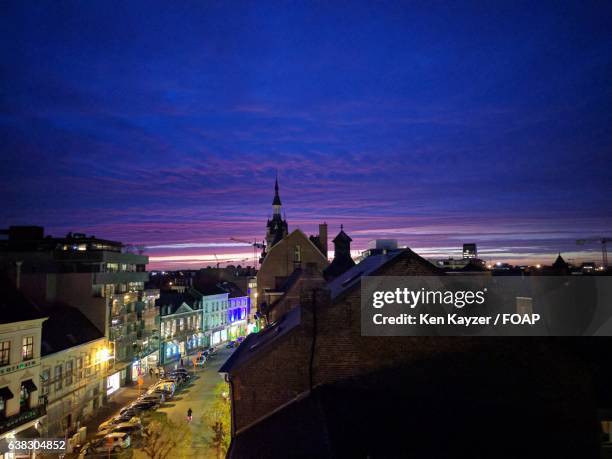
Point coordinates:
[[256, 342]]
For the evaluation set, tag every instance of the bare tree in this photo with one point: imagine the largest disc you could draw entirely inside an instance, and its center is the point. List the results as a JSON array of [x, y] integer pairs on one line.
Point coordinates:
[[218, 418], [163, 438]]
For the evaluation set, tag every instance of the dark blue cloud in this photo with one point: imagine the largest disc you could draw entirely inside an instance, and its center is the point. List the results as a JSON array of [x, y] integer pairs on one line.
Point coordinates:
[[160, 122]]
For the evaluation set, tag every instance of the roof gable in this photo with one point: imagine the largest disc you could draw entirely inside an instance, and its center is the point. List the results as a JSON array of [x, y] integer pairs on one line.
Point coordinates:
[[183, 308]]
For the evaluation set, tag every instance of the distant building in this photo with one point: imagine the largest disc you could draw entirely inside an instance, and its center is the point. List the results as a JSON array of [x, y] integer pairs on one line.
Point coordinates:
[[286, 252], [102, 278], [238, 309], [380, 246], [292, 252], [469, 251], [214, 312], [181, 329]]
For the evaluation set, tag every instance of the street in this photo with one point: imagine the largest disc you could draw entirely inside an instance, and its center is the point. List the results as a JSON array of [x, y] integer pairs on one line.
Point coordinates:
[[197, 395]]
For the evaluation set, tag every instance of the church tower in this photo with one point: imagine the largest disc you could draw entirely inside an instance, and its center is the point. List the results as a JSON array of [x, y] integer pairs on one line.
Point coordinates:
[[277, 227], [342, 261]]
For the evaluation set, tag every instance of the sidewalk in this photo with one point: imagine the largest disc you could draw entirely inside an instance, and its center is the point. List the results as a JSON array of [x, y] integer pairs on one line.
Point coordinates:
[[127, 394], [124, 396]]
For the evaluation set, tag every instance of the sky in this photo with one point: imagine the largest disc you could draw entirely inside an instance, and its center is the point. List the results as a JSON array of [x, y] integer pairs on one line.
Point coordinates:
[[164, 124]]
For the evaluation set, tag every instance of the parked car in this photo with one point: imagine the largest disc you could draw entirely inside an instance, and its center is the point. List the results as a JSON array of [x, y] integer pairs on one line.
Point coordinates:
[[231, 345], [119, 419], [129, 411], [126, 427], [174, 380], [145, 405], [167, 389], [114, 442], [181, 373], [155, 396]]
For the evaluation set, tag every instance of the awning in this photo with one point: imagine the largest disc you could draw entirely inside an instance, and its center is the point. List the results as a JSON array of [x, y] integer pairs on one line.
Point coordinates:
[[30, 432], [6, 394], [29, 385]]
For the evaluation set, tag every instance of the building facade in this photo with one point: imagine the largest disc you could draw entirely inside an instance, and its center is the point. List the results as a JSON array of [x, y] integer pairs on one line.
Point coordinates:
[[238, 309], [214, 317], [75, 360], [285, 252], [103, 279], [180, 325], [22, 409]]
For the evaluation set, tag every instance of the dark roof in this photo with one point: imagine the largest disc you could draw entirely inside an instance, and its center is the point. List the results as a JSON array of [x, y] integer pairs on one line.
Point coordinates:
[[366, 267], [231, 288], [14, 306], [175, 300], [342, 237], [256, 342], [473, 266], [560, 263], [210, 289], [65, 328], [276, 201], [339, 265], [402, 412], [370, 266], [291, 280]]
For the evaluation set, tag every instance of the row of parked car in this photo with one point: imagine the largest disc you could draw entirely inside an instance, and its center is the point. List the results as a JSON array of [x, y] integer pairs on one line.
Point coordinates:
[[116, 433]]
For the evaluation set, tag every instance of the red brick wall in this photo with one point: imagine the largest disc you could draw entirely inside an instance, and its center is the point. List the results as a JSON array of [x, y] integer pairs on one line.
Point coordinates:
[[282, 372]]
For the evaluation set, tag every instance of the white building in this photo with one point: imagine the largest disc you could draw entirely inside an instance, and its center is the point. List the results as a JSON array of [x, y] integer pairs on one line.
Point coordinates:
[[20, 364]]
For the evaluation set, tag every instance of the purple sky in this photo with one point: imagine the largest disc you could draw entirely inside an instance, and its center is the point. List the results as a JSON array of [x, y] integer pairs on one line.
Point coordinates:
[[163, 124]]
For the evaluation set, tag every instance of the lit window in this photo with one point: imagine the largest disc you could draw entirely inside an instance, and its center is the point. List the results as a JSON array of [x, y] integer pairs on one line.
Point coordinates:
[[5, 353], [27, 348]]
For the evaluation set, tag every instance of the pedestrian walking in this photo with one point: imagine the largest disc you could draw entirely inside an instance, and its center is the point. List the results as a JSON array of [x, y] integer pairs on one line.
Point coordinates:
[[182, 363], [151, 372], [189, 415]]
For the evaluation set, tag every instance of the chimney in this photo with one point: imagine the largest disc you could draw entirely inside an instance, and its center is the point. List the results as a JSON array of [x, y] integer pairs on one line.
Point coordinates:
[[323, 238], [18, 274]]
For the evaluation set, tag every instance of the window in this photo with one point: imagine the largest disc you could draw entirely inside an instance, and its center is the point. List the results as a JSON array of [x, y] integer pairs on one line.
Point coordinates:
[[58, 377], [27, 348], [297, 254], [24, 398], [5, 353], [181, 325], [46, 374], [163, 324], [79, 365], [87, 365], [69, 365]]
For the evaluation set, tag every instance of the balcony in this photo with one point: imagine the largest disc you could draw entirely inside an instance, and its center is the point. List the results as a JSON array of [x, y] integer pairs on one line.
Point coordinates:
[[19, 419], [120, 277]]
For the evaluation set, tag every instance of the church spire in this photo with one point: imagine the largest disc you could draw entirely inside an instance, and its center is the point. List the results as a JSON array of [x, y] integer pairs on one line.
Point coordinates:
[[277, 226], [276, 203]]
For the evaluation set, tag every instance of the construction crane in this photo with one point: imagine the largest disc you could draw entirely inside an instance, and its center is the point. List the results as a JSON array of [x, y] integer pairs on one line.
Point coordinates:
[[256, 245], [227, 261], [604, 247]]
